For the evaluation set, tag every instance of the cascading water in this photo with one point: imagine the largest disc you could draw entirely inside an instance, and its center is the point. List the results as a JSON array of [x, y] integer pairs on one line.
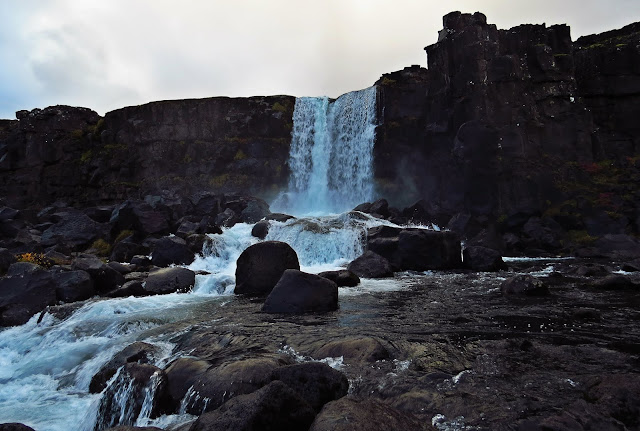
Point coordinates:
[[46, 366], [331, 154]]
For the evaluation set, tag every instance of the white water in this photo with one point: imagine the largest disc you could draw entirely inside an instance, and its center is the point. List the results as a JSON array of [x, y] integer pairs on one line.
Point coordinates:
[[46, 367], [331, 154]]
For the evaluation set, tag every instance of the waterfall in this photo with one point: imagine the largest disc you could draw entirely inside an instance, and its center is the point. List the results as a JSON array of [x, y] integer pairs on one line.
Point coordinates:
[[331, 154]]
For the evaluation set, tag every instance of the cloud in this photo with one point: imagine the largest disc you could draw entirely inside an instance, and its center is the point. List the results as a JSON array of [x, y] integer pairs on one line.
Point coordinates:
[[109, 54]]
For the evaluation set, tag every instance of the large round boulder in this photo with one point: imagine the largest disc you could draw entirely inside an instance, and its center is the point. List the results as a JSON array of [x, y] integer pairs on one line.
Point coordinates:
[[261, 265], [299, 292]]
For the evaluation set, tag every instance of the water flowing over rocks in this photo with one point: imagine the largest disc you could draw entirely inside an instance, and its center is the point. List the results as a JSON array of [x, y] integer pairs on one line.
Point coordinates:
[[520, 142]]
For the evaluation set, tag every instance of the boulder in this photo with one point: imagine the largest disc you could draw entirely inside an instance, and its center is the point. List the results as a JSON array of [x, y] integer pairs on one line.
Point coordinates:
[[140, 216], [169, 280], [342, 277], [421, 249], [211, 387], [75, 230], [6, 259], [72, 286], [524, 284], [171, 250], [256, 210], [479, 258], [316, 382], [129, 288], [138, 352], [371, 265], [135, 386], [123, 251], [260, 229], [353, 350], [299, 292], [274, 407], [104, 277], [227, 218], [631, 266], [348, 414], [261, 265], [26, 290], [183, 375]]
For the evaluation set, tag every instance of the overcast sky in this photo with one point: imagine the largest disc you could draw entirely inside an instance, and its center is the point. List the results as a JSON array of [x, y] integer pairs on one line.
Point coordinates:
[[106, 54]]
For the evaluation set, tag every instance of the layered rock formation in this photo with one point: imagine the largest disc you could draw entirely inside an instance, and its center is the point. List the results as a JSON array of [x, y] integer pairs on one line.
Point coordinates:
[[505, 128]]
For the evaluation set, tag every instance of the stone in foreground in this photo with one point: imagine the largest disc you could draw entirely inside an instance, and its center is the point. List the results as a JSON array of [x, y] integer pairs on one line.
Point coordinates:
[[298, 292], [274, 407], [260, 267]]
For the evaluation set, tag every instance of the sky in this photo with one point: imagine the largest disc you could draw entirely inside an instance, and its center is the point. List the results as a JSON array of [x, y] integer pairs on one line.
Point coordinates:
[[107, 54]]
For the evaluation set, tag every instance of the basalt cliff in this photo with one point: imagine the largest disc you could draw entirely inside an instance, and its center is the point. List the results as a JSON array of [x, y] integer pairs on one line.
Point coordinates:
[[504, 126]]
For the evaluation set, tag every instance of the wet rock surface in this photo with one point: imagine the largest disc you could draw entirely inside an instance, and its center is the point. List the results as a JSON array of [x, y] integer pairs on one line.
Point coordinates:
[[449, 349]]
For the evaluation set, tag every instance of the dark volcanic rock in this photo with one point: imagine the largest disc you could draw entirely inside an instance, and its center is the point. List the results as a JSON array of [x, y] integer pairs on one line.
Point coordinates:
[[420, 250], [353, 350], [214, 386], [482, 259], [73, 286], [261, 265], [274, 407], [371, 265], [299, 292], [342, 277], [524, 285], [139, 380], [348, 414], [315, 382], [260, 229], [104, 277], [171, 250], [169, 280], [138, 352], [27, 292], [615, 282], [75, 230], [123, 251], [6, 259]]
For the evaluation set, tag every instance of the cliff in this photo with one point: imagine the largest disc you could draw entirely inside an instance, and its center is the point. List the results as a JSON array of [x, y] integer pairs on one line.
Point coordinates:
[[503, 126], [506, 125], [171, 147]]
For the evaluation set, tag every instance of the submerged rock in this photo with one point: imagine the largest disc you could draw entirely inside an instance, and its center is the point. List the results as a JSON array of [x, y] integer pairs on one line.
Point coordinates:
[[524, 284], [299, 292], [260, 229], [261, 265]]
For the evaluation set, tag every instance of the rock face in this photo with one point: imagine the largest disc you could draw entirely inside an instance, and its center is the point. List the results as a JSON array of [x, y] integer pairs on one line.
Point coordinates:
[[217, 144], [261, 265], [276, 406], [299, 292]]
